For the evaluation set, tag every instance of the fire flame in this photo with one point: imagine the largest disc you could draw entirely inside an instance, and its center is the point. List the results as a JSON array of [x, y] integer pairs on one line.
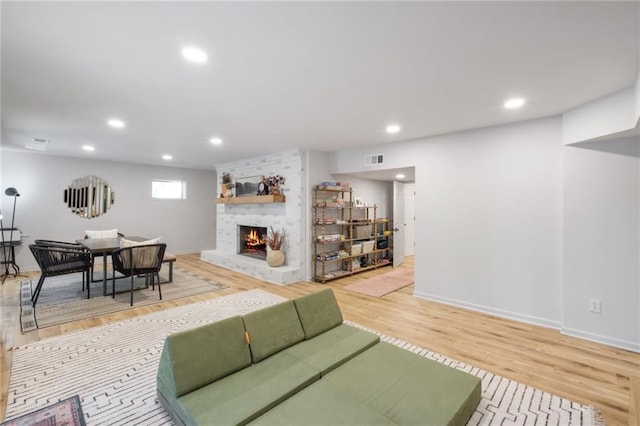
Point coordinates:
[[254, 239]]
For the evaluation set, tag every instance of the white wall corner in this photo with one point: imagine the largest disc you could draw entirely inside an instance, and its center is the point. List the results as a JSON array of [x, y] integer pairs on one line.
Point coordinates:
[[638, 93], [614, 113]]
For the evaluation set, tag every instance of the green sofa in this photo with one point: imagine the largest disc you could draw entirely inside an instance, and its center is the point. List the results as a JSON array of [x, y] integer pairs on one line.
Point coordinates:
[[296, 363]]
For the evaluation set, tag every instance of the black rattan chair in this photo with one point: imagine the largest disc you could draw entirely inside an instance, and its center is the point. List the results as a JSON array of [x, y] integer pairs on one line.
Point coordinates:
[[138, 260], [60, 258]]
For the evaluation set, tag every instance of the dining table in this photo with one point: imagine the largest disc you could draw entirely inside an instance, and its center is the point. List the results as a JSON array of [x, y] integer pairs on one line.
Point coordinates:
[[104, 247]]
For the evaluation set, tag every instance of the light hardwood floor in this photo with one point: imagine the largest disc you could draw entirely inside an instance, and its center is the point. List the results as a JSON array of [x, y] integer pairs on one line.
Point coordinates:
[[588, 373]]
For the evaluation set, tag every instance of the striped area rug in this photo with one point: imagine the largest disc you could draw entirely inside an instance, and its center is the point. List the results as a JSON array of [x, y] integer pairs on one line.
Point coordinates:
[[63, 300], [113, 369]]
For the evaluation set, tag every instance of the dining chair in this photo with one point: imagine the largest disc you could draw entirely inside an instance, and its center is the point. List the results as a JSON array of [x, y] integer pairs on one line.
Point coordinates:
[[138, 260], [60, 258]]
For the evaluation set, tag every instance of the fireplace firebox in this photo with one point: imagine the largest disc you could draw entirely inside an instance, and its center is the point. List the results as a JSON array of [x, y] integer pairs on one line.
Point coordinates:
[[252, 241]]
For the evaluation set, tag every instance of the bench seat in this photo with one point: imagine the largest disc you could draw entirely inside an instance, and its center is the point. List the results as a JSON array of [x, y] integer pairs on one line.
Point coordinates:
[[169, 258]]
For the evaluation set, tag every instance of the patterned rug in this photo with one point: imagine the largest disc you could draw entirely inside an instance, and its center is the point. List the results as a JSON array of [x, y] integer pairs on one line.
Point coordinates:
[[113, 369], [383, 284], [63, 413], [62, 299]]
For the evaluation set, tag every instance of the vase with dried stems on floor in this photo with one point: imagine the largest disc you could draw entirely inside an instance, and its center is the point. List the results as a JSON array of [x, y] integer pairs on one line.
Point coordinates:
[[275, 241]]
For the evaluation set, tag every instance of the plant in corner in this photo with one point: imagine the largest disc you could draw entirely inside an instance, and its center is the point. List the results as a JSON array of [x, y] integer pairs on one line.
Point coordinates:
[[275, 242]]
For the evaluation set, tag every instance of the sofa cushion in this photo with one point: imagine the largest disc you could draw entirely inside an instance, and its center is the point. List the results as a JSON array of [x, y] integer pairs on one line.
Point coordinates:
[[322, 404], [408, 388], [131, 243], [318, 312], [194, 358], [333, 347], [272, 329], [247, 394]]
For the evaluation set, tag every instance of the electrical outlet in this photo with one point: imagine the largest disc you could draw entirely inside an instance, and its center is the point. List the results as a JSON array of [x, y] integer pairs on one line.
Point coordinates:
[[595, 306]]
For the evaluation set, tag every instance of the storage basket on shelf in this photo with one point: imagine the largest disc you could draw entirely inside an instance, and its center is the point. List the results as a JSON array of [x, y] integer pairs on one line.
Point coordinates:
[[368, 246]]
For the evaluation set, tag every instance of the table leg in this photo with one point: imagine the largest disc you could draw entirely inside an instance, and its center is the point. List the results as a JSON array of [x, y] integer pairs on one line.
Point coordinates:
[[104, 275]]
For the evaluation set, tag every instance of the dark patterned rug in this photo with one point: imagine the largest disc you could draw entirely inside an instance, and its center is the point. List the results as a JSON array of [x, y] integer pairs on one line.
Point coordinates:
[[64, 413]]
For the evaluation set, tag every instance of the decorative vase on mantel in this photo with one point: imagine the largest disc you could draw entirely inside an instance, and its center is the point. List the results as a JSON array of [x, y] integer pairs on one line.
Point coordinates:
[[275, 258]]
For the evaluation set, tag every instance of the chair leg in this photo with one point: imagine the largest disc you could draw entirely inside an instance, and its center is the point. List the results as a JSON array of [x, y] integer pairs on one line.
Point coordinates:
[[131, 289], [88, 277], [113, 284], [159, 289], [34, 297]]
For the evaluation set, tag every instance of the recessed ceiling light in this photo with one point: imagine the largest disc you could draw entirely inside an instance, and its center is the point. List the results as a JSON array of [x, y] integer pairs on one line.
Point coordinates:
[[393, 128], [88, 148], [514, 103], [193, 54], [115, 122], [216, 141], [167, 157], [399, 176]]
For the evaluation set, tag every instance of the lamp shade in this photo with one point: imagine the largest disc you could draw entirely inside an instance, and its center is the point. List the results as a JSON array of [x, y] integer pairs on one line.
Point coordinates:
[[12, 192]]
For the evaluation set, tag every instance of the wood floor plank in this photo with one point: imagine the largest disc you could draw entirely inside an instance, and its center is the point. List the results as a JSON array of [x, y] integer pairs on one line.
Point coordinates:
[[634, 402], [586, 372]]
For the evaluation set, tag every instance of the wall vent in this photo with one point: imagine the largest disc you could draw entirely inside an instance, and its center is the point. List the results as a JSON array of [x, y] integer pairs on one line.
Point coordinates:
[[37, 144], [372, 160]]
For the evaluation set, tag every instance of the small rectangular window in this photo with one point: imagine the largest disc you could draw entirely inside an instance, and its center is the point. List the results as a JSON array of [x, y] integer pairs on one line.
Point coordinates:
[[169, 189]]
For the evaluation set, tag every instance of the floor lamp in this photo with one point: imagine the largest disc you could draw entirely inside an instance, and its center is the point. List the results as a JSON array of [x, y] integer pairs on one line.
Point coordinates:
[[4, 250], [8, 245], [12, 192]]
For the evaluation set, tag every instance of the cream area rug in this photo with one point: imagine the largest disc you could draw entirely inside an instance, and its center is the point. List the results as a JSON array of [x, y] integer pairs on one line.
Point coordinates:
[[383, 284], [113, 370], [63, 300]]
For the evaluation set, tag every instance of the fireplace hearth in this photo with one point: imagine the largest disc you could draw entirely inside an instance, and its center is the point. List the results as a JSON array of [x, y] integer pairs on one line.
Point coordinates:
[[252, 241]]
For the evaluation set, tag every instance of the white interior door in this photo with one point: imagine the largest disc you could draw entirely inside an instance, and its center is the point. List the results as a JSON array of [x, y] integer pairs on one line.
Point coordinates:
[[409, 219], [398, 224]]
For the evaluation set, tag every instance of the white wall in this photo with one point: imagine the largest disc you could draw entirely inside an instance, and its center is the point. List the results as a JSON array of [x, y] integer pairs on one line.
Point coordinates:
[[372, 192], [489, 220], [611, 114], [488, 217], [186, 226], [601, 241]]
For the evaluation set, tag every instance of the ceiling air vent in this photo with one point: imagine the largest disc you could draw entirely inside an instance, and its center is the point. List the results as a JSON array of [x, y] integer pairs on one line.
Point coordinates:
[[37, 144], [372, 160]]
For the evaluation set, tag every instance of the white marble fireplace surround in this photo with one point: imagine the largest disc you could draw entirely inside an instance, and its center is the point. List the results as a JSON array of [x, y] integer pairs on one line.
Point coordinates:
[[287, 215]]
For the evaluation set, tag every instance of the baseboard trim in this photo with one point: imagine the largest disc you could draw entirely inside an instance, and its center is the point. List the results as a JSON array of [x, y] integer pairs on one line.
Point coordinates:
[[599, 338], [543, 322]]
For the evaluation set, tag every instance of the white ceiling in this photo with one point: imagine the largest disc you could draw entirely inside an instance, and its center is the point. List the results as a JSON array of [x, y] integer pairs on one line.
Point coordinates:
[[282, 75]]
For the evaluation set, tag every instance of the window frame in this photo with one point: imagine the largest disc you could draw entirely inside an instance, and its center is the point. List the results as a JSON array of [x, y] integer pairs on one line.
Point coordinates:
[[183, 189]]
